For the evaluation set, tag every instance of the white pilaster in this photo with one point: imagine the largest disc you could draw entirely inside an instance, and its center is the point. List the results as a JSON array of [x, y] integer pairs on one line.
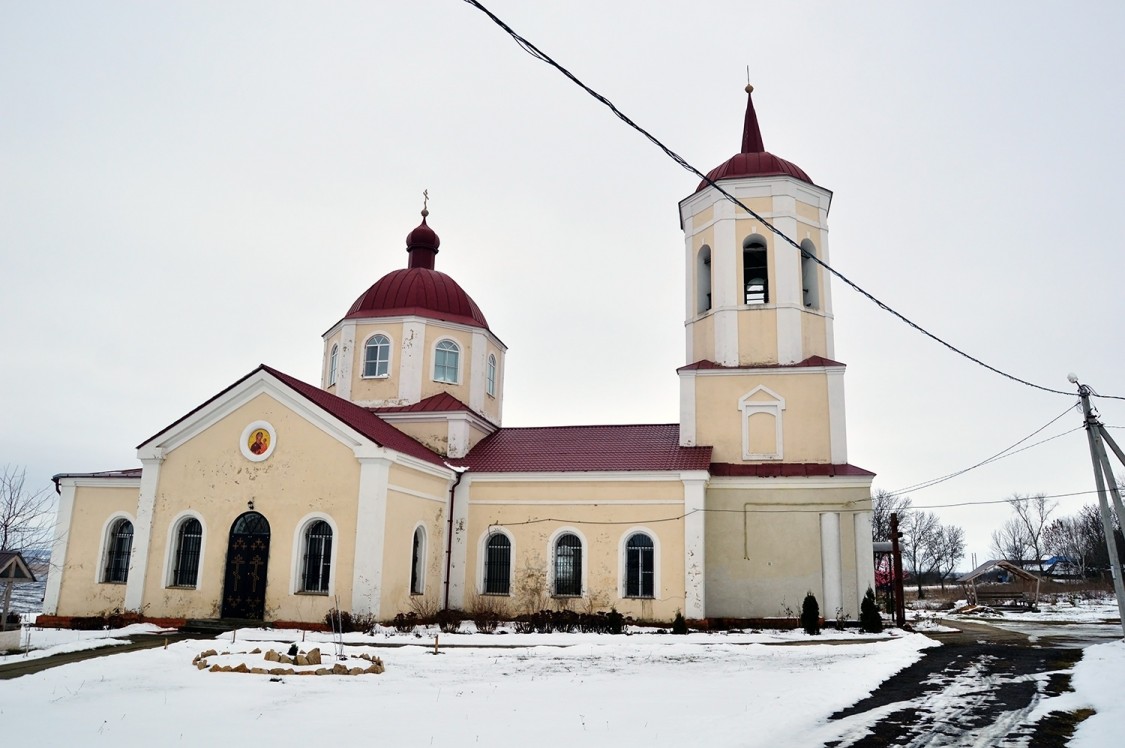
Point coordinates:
[[459, 548], [787, 291], [695, 492], [826, 296], [478, 372], [142, 532], [726, 285], [58, 548], [412, 361], [457, 436], [837, 421], [347, 360], [864, 555], [370, 526], [830, 563], [687, 409]]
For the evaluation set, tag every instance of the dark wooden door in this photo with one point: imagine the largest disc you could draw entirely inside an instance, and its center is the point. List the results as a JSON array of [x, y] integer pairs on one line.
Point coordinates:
[[248, 555]]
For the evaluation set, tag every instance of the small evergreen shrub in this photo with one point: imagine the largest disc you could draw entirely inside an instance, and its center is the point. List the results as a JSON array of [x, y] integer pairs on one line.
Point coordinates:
[[810, 615], [404, 623], [449, 620], [869, 619], [679, 625]]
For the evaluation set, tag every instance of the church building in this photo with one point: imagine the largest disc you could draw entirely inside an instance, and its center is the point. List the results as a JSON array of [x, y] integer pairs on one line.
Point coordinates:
[[392, 485]]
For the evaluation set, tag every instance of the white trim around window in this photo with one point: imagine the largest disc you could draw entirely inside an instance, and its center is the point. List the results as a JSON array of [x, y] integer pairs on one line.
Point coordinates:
[[442, 350], [172, 550], [104, 550], [623, 563], [298, 562], [551, 560], [482, 559], [382, 361]]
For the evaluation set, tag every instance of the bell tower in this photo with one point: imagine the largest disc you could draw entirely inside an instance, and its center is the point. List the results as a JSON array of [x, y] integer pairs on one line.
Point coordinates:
[[760, 383]]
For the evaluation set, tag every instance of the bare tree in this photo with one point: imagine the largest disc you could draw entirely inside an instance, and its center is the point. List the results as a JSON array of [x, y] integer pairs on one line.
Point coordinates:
[[1009, 542], [1033, 512], [883, 504], [919, 533], [1068, 537], [25, 522], [949, 549], [25, 514]]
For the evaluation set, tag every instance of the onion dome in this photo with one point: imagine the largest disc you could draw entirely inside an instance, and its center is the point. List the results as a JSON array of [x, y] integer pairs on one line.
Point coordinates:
[[419, 290], [754, 160]]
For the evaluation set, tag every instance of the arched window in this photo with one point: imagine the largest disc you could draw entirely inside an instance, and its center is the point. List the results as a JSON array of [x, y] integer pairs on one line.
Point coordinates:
[[703, 280], [376, 356], [755, 270], [640, 566], [810, 281], [189, 539], [119, 546], [447, 357], [417, 562], [333, 359], [317, 563], [491, 375], [568, 565], [498, 565]]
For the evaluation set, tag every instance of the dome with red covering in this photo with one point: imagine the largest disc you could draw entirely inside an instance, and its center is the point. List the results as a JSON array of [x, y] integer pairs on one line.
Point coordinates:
[[754, 160], [418, 289]]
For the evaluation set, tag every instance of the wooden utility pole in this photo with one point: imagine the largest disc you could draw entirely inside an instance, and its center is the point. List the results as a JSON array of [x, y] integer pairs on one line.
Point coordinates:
[[896, 565]]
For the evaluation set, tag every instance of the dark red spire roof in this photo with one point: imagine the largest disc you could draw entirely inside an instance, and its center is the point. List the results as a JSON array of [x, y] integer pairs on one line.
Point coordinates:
[[754, 160], [419, 289]]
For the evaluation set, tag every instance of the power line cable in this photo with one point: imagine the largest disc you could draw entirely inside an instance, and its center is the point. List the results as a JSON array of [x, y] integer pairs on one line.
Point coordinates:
[[998, 456], [538, 54]]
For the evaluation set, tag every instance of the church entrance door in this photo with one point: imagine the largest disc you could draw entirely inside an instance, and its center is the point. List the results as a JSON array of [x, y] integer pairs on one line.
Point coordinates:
[[248, 554]]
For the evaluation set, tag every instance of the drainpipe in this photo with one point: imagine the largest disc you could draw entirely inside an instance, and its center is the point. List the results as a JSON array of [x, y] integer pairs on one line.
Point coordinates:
[[449, 533]]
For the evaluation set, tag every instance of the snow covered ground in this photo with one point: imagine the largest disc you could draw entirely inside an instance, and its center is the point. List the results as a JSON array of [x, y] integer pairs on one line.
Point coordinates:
[[500, 690]]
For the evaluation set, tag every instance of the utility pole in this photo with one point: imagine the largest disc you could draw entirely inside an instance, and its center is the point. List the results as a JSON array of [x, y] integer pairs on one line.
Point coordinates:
[[1103, 476], [896, 575]]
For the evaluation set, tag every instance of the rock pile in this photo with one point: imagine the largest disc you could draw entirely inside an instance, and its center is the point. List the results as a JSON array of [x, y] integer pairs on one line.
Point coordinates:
[[308, 659]]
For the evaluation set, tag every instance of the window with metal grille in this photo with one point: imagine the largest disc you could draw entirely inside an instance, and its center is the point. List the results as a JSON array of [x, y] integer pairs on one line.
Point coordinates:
[[417, 560], [640, 566], [568, 565], [376, 356], [189, 539], [492, 375], [318, 557], [447, 356], [498, 565], [118, 550]]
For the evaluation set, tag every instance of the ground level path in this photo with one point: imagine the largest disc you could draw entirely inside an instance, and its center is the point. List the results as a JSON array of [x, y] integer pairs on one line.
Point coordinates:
[[975, 690]]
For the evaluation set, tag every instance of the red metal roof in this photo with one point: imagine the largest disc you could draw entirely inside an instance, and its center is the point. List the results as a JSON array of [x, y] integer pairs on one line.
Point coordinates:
[[418, 289], [358, 418], [811, 361], [586, 449], [785, 470], [753, 160], [442, 402]]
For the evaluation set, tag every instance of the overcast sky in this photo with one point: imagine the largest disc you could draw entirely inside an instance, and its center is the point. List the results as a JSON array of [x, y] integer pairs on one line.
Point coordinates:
[[189, 189]]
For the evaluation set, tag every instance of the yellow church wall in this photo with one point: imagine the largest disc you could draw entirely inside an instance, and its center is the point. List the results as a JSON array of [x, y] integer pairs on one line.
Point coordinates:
[[433, 433], [804, 436], [757, 336], [405, 513], [808, 212], [82, 593], [759, 205], [814, 334], [435, 331], [309, 473], [764, 548], [376, 388], [332, 341], [603, 528], [703, 339], [491, 408]]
